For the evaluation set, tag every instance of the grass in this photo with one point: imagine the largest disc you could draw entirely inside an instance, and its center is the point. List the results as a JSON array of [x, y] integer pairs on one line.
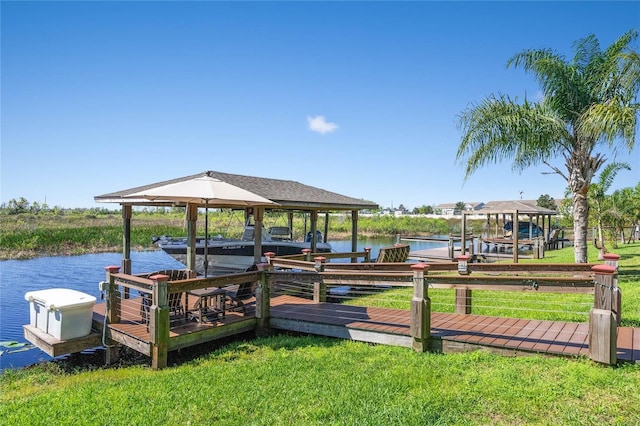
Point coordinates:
[[294, 380], [286, 380]]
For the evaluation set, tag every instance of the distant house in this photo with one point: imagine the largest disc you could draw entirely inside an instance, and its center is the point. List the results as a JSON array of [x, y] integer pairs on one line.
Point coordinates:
[[449, 209]]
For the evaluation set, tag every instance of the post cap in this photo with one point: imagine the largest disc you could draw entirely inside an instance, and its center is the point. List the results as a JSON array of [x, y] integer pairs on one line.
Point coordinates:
[[420, 266], [159, 277], [603, 269]]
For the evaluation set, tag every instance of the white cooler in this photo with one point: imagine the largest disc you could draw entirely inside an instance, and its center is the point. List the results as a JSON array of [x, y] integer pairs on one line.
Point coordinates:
[[61, 312]]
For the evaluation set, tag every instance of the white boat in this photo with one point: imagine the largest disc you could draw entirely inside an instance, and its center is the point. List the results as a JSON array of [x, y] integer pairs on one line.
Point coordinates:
[[227, 255]]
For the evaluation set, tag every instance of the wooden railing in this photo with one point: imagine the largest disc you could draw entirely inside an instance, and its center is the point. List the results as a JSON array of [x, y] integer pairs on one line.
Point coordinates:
[[600, 280], [157, 290]]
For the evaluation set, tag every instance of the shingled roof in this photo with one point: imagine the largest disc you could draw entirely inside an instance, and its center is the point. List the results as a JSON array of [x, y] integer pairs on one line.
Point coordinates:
[[289, 194], [524, 207]]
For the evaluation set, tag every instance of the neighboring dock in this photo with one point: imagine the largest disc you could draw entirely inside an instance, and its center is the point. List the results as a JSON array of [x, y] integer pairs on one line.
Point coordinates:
[[479, 249], [448, 250]]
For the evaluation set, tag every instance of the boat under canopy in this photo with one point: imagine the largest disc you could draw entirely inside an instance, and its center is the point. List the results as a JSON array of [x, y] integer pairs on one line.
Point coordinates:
[[285, 195], [229, 255]]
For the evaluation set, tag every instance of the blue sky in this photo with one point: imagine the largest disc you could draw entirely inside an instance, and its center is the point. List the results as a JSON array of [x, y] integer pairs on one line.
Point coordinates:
[[359, 98]]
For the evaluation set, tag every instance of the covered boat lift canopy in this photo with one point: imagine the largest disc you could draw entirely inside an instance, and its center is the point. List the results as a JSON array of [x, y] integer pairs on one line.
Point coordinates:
[[503, 211], [289, 195]]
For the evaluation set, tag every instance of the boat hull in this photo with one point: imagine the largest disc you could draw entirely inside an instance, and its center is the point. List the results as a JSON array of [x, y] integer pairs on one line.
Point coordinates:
[[234, 256]]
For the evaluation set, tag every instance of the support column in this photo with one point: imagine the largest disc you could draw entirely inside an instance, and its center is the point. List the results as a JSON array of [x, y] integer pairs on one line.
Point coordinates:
[[258, 217], [263, 301], [451, 251], [420, 327], [463, 236], [290, 223], [354, 232], [319, 287], [307, 254], [112, 313], [463, 295], [126, 241], [314, 228], [325, 235], [159, 322], [192, 220], [602, 322], [367, 257]]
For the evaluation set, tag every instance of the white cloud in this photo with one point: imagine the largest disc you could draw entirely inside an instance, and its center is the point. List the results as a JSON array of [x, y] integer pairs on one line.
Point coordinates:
[[319, 124]]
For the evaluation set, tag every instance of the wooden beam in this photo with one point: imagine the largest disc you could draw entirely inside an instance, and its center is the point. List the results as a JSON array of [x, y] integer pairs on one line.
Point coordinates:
[[54, 347], [192, 219], [126, 238]]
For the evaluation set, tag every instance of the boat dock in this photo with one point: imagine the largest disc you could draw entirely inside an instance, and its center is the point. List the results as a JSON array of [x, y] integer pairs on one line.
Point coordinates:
[[302, 300]]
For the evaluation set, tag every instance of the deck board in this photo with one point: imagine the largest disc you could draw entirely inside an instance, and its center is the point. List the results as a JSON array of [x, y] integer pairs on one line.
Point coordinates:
[[537, 336], [500, 333]]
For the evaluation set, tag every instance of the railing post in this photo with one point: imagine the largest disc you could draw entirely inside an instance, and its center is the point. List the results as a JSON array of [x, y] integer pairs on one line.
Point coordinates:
[[263, 302], [420, 327], [319, 287], [536, 252], [463, 295], [307, 254], [269, 255], [159, 322], [612, 260], [112, 313], [602, 322], [451, 247], [367, 256]]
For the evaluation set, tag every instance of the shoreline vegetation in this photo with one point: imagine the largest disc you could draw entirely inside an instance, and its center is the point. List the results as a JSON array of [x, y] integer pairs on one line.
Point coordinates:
[[29, 235]]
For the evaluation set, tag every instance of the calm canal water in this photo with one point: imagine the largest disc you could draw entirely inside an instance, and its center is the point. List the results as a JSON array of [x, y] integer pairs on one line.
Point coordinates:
[[83, 273]]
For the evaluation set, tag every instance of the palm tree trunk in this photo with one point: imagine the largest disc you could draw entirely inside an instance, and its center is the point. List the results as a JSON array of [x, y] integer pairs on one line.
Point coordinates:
[[580, 218]]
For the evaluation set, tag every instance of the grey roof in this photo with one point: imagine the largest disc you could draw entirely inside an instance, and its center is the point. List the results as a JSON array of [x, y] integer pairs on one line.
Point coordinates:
[[523, 207], [289, 194]]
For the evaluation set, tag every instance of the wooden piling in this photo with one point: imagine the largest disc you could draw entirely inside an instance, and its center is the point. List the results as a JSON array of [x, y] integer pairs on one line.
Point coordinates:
[[112, 314], [159, 322], [319, 287], [420, 327], [263, 302], [602, 321]]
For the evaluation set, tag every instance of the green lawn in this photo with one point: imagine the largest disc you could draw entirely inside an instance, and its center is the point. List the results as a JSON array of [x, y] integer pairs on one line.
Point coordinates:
[[287, 380]]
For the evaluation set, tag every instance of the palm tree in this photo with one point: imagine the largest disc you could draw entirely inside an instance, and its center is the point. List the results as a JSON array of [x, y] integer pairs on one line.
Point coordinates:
[[588, 103], [598, 195]]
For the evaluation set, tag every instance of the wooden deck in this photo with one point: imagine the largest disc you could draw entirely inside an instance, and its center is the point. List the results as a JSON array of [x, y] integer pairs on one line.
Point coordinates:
[[182, 332], [449, 332]]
